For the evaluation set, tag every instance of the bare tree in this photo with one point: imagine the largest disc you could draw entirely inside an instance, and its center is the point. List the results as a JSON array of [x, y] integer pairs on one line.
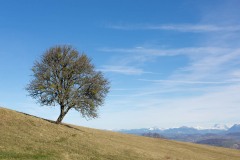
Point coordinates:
[[66, 78]]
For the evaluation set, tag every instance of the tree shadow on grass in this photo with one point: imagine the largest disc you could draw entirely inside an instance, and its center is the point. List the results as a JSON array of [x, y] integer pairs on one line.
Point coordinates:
[[71, 127], [53, 122]]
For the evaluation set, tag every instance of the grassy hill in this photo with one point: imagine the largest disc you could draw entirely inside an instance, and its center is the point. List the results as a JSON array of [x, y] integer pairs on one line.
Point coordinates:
[[27, 137]]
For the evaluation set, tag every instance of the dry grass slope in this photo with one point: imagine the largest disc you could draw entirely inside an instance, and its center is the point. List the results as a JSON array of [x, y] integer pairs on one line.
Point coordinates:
[[28, 137]]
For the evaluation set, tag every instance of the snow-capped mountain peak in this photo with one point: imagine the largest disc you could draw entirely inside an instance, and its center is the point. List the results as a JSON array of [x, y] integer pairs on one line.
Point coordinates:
[[152, 129], [155, 128], [220, 127], [199, 128]]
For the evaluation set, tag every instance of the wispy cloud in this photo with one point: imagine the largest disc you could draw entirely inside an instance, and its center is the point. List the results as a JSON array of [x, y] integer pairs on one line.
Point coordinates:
[[209, 69], [178, 27], [128, 70], [205, 64], [189, 82], [168, 52]]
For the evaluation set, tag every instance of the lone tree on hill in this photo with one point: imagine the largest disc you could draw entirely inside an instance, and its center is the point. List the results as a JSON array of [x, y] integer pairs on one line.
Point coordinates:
[[63, 76]]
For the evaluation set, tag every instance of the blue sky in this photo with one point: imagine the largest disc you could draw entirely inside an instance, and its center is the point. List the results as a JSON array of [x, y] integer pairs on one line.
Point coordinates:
[[170, 62]]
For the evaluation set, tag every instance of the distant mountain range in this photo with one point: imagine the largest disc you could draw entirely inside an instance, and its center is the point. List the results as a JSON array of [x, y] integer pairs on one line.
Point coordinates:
[[218, 135], [216, 129]]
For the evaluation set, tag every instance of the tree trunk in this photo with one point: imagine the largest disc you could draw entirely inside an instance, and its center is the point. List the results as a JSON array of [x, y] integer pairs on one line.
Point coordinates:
[[62, 114], [60, 118]]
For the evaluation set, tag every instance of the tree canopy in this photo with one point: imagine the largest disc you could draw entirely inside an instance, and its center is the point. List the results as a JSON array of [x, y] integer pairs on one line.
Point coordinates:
[[66, 78]]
